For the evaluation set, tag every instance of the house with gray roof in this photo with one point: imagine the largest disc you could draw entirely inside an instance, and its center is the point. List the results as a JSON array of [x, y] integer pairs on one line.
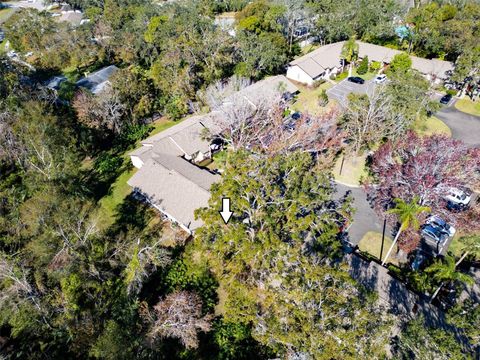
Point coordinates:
[[96, 81], [327, 61], [168, 176]]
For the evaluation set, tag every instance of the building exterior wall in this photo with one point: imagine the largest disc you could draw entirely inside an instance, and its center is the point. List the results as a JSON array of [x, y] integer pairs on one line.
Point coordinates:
[[297, 74]]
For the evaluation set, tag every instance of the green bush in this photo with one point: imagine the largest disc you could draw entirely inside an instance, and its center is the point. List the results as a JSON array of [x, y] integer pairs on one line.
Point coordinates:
[[323, 98], [375, 66], [452, 92], [363, 67], [342, 76], [319, 82]]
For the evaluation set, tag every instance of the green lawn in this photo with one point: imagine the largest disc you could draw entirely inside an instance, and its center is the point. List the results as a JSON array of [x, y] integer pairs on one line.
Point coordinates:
[[2, 47], [120, 189], [367, 76], [118, 192], [352, 171], [5, 14], [309, 48], [431, 125], [372, 243], [163, 124], [455, 246], [307, 100], [468, 106]]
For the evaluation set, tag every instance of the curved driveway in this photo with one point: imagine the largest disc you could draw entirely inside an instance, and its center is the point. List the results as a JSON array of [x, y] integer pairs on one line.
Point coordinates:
[[464, 126]]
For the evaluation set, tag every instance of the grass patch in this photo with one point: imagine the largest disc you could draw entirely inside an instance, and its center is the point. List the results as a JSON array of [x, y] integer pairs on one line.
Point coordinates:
[[366, 77], [2, 47], [5, 14], [432, 125], [353, 170], [468, 106], [372, 243], [163, 124], [309, 48], [307, 100], [455, 247], [119, 190]]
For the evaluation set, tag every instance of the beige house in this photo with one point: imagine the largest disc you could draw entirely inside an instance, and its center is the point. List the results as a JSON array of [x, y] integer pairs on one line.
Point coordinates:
[[326, 61], [168, 175]]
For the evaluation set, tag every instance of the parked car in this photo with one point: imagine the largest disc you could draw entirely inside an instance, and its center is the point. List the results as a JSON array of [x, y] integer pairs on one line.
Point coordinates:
[[380, 79], [455, 207], [434, 233], [356, 80], [459, 196], [441, 224], [445, 99]]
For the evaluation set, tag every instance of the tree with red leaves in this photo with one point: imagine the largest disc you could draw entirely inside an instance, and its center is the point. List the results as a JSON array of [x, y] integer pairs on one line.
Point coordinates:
[[425, 167]]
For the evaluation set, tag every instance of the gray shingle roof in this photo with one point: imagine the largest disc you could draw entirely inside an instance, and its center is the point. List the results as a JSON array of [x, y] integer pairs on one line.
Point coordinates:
[[171, 192], [190, 139], [329, 56], [96, 81], [175, 185], [316, 62], [201, 177]]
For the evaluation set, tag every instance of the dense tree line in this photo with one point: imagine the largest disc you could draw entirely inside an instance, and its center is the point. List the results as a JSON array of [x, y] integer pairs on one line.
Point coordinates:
[[272, 283]]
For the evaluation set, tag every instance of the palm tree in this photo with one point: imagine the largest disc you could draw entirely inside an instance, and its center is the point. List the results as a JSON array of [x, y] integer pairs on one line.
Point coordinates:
[[350, 53], [407, 213], [470, 245], [446, 271]]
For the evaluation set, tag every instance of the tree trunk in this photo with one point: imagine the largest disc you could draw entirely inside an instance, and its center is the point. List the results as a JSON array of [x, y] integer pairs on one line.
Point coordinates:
[[436, 292], [350, 69], [391, 247], [461, 259]]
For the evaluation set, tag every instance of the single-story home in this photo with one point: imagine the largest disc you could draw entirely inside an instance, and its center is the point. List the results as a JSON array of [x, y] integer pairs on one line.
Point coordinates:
[[73, 17], [96, 81], [168, 176], [327, 61]]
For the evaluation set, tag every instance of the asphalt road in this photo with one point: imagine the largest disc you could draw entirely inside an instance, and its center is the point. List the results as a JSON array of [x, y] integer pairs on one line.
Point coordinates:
[[341, 90], [364, 219], [464, 127]]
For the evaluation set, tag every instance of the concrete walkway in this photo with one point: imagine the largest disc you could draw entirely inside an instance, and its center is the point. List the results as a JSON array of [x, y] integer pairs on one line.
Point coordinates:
[[464, 126]]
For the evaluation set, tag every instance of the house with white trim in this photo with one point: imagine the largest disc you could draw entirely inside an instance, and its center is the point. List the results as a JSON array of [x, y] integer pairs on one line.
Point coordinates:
[[326, 61], [168, 175]]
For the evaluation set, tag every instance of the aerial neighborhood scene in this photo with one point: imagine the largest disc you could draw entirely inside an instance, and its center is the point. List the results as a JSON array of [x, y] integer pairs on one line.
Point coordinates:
[[240, 179]]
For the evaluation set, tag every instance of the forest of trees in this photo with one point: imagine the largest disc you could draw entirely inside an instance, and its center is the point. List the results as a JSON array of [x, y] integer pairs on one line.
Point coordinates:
[[272, 284]]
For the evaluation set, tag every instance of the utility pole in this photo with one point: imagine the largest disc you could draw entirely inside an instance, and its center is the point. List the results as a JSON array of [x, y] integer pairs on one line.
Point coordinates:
[[383, 237]]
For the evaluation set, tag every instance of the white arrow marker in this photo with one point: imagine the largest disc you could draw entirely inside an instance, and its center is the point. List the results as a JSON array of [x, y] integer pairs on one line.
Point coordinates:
[[225, 212]]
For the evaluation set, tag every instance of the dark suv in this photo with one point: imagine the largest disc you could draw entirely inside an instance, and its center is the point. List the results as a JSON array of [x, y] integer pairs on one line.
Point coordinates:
[[356, 80], [445, 99]]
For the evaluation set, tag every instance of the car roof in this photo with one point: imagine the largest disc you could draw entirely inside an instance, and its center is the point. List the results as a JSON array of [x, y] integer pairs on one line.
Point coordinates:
[[438, 220], [455, 191], [432, 229]]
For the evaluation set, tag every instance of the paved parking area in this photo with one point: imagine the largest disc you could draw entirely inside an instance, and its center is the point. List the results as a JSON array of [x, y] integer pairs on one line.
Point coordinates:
[[464, 126], [340, 91]]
